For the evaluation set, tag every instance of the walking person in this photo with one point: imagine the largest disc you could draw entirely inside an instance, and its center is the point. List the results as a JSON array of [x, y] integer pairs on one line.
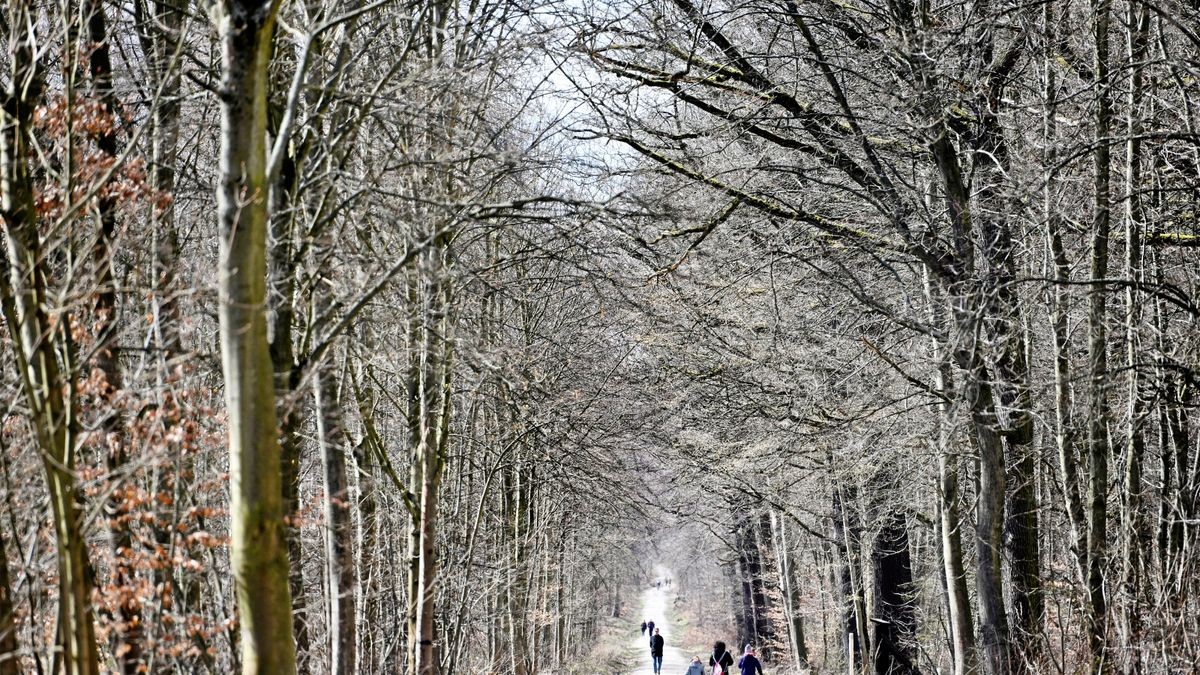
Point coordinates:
[[656, 651], [696, 668], [749, 663], [650, 627], [643, 628], [721, 660]]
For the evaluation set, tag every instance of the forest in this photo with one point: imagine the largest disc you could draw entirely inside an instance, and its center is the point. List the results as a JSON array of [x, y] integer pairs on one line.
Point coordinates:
[[422, 336]]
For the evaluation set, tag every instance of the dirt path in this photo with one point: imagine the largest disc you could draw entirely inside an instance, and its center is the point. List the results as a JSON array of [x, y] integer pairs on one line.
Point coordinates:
[[654, 608]]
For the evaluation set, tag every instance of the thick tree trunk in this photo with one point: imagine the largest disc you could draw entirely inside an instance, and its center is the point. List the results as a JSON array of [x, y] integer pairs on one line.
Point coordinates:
[[764, 612], [258, 536], [967, 305], [894, 614], [1004, 327]]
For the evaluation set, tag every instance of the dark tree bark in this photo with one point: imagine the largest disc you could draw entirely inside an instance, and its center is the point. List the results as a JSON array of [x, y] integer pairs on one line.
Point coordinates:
[[894, 617]]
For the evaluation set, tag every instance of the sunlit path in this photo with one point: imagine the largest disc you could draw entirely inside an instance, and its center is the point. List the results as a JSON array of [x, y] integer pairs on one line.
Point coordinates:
[[654, 608]]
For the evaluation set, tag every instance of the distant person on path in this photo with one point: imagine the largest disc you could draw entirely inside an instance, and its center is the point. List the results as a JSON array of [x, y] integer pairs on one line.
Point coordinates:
[[643, 628], [656, 651], [721, 660], [749, 663], [696, 668], [650, 627]]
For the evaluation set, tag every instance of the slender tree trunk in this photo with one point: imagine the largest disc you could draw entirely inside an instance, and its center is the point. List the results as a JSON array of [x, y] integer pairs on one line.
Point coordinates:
[[129, 633], [790, 593], [962, 629], [847, 535], [281, 282], [10, 663], [161, 36], [1098, 440], [1135, 535], [339, 530], [434, 406], [36, 341], [258, 534]]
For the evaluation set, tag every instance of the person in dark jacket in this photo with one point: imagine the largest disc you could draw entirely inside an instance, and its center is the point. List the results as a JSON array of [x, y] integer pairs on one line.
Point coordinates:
[[749, 663], [720, 657], [650, 627], [643, 628], [656, 651]]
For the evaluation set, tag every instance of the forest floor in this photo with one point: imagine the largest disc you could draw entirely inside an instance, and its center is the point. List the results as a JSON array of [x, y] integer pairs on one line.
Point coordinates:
[[654, 607]]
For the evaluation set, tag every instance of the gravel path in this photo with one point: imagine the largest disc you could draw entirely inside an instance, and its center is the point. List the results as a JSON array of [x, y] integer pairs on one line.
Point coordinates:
[[654, 605]]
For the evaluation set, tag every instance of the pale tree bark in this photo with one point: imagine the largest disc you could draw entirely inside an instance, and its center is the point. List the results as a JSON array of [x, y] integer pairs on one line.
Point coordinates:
[[962, 629], [431, 407], [258, 539], [790, 593], [339, 530], [38, 345], [1135, 536], [847, 539], [159, 24], [1064, 423]]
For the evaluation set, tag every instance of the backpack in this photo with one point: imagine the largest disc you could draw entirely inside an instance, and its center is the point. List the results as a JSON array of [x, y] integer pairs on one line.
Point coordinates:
[[719, 669]]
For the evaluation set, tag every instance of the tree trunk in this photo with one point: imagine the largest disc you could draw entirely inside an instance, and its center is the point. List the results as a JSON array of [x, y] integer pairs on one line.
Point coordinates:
[[894, 613], [962, 629], [36, 343], [846, 534], [258, 537], [1135, 534], [433, 408], [1098, 440], [339, 529], [9, 648], [790, 593], [967, 303], [281, 282]]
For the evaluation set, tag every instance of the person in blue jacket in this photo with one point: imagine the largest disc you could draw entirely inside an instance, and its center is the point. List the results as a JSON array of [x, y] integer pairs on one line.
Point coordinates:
[[749, 663]]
